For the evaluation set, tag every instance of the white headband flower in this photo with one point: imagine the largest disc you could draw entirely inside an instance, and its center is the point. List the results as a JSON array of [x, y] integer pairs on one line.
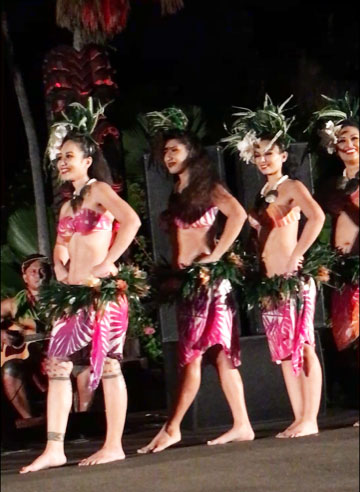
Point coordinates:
[[329, 136], [246, 146], [57, 136]]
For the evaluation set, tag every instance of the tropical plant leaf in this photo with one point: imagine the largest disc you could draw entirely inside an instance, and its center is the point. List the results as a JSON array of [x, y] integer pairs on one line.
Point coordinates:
[[22, 232], [11, 280]]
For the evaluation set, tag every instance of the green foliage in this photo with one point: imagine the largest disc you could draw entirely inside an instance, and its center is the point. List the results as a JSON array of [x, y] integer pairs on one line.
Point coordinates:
[[135, 145], [336, 110], [57, 300], [152, 346], [171, 285], [165, 120], [21, 241], [345, 270], [272, 291], [269, 120], [22, 232], [136, 197]]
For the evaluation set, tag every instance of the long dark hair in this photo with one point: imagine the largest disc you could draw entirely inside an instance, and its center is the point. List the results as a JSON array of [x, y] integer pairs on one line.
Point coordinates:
[[98, 170], [197, 197]]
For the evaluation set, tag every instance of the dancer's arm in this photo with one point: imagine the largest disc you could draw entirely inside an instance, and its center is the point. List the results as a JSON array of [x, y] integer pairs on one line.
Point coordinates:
[[315, 220], [127, 218], [235, 218], [61, 252]]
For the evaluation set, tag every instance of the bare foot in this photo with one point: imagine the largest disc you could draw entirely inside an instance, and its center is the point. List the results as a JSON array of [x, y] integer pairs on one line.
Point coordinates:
[[164, 439], [244, 433], [288, 431], [104, 455], [356, 424], [305, 428], [48, 459]]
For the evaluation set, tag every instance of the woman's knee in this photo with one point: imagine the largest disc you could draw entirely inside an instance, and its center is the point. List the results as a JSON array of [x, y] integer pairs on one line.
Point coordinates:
[[111, 368], [57, 368], [310, 356], [193, 367]]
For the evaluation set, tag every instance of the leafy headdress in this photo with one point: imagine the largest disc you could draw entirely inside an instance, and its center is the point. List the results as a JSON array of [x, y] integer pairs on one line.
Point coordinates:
[[173, 118], [81, 118], [328, 120], [250, 126], [161, 121]]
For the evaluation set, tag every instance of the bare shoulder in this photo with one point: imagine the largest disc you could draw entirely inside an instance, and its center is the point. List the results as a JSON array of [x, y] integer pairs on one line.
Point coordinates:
[[220, 193], [294, 186], [101, 186], [101, 189], [65, 209]]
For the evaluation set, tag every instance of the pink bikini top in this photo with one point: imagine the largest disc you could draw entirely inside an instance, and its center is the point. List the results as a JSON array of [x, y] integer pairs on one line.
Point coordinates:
[[206, 220], [85, 221], [274, 217]]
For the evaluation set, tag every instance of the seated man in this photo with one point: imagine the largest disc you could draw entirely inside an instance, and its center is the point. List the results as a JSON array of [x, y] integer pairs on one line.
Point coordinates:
[[21, 358], [22, 361]]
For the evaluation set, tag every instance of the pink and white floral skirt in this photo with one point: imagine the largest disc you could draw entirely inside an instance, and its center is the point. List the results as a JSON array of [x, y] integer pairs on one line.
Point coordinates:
[[288, 328], [103, 330], [206, 321]]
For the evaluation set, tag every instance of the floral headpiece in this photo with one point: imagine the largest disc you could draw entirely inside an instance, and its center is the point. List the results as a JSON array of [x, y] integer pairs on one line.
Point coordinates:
[[78, 117], [161, 121], [331, 117], [173, 118], [248, 128]]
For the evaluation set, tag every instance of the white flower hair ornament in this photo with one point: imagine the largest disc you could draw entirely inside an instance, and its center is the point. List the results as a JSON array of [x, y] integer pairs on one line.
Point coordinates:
[[330, 119], [329, 136], [249, 126], [56, 138], [246, 146], [77, 117]]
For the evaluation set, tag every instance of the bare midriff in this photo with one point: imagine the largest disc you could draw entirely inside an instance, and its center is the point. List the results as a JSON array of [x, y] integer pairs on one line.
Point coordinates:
[[86, 251], [346, 233], [278, 248], [192, 243]]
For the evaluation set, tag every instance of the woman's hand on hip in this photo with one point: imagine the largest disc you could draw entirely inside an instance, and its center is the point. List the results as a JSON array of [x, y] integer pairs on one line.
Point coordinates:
[[104, 269]]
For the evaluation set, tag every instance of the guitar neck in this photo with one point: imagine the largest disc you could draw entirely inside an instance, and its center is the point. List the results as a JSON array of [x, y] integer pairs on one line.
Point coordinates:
[[36, 337]]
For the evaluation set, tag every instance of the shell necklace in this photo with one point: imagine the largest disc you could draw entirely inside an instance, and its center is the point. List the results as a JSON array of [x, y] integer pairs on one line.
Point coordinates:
[[271, 195]]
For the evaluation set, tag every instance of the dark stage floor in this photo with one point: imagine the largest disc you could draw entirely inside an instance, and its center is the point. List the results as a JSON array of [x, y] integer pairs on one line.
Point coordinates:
[[328, 462]]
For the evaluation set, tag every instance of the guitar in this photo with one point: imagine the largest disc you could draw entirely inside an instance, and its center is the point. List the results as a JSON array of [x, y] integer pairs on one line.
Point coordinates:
[[19, 349]]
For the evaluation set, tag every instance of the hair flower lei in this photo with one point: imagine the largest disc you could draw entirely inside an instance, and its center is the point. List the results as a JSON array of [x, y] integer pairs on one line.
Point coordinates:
[[246, 146], [77, 117], [329, 136], [330, 118], [250, 126]]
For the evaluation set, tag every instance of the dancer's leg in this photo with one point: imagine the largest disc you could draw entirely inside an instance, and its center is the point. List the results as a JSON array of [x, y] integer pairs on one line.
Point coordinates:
[[85, 394], [311, 381], [189, 386], [115, 396], [232, 386], [59, 403], [13, 380], [294, 389]]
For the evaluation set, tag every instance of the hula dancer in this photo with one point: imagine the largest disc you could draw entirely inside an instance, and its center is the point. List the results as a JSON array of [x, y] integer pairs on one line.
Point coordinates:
[[206, 321], [85, 251], [338, 127], [262, 138]]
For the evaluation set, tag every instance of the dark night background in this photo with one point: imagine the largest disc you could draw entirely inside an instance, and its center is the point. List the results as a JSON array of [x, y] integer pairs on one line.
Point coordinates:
[[211, 54]]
